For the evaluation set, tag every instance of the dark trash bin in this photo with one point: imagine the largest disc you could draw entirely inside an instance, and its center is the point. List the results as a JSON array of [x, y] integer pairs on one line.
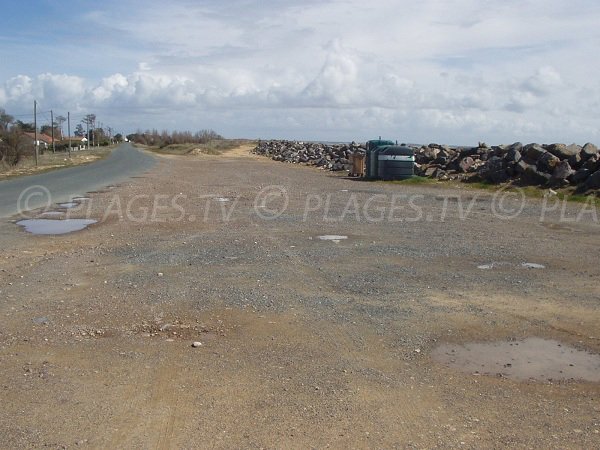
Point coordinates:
[[395, 162]]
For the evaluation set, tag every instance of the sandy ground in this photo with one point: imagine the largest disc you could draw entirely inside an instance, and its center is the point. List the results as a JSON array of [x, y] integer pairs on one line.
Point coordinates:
[[306, 343]]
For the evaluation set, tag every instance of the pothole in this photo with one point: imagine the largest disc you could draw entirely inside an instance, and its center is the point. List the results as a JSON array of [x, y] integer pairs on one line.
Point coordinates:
[[54, 226], [529, 359]]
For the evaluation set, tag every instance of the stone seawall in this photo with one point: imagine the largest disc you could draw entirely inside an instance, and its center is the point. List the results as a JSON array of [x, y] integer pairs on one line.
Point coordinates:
[[547, 165]]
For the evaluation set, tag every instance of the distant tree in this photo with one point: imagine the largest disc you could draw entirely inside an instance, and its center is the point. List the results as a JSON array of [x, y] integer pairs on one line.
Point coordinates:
[[79, 131], [152, 137], [25, 127], [13, 146], [90, 122], [5, 120], [118, 137], [47, 130]]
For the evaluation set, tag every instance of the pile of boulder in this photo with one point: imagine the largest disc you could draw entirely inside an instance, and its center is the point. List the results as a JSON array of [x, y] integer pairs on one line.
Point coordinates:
[[334, 157], [548, 165], [552, 165]]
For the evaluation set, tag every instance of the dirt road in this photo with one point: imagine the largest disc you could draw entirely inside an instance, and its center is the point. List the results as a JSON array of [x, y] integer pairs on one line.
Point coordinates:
[[319, 302]]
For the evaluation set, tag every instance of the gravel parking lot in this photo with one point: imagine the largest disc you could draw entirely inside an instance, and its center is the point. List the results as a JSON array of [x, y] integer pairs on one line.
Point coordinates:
[[319, 302]]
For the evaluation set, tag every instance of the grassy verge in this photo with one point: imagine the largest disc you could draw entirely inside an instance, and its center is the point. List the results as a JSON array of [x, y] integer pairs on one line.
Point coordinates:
[[567, 194], [52, 161], [215, 147]]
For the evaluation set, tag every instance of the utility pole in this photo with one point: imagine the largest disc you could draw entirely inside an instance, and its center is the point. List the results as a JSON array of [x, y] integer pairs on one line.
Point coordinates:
[[52, 127], [35, 144], [69, 130], [87, 128]]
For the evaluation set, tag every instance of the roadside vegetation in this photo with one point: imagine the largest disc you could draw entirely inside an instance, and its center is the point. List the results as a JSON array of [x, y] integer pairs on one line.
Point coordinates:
[[567, 193], [17, 146], [204, 142]]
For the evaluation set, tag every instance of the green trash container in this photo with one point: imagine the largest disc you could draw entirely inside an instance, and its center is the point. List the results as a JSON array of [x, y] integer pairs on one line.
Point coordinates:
[[373, 148], [395, 162]]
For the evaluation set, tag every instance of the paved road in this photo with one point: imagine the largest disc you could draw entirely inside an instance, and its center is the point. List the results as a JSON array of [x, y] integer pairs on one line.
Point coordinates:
[[32, 192]]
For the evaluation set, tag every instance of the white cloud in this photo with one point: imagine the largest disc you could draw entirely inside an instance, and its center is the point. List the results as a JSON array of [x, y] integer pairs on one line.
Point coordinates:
[[455, 71], [544, 82]]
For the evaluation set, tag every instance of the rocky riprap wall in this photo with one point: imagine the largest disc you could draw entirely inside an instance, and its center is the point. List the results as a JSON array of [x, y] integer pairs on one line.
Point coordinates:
[[552, 165], [328, 156]]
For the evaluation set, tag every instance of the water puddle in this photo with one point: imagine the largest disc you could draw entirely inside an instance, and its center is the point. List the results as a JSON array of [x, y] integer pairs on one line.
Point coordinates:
[[80, 199], [333, 238], [53, 226], [68, 205], [52, 213], [557, 226], [529, 359], [533, 265], [494, 265], [222, 199]]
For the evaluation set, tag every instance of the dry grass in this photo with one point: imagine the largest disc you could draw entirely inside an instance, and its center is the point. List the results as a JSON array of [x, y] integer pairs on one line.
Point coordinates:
[[51, 161], [215, 147]]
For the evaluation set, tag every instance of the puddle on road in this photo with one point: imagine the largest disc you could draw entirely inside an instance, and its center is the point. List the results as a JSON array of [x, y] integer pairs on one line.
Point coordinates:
[[68, 205], [53, 226], [80, 199], [333, 238], [494, 265], [530, 359], [533, 265], [222, 199], [557, 227]]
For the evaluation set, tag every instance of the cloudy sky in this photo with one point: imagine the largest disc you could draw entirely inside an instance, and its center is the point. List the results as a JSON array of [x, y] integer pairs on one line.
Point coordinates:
[[448, 71]]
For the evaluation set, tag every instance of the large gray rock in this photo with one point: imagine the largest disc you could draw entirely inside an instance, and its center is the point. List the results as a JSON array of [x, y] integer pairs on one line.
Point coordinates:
[[592, 163], [468, 151], [576, 161], [581, 175], [561, 173], [516, 146], [531, 175], [563, 151], [493, 170], [427, 154], [532, 152], [588, 150], [513, 155], [547, 162], [593, 181], [465, 164], [522, 166]]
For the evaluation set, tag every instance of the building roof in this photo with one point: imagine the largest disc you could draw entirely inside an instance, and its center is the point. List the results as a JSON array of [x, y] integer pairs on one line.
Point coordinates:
[[40, 137]]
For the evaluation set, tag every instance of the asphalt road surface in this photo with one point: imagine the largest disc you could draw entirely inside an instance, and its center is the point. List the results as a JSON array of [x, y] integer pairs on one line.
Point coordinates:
[[36, 191]]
